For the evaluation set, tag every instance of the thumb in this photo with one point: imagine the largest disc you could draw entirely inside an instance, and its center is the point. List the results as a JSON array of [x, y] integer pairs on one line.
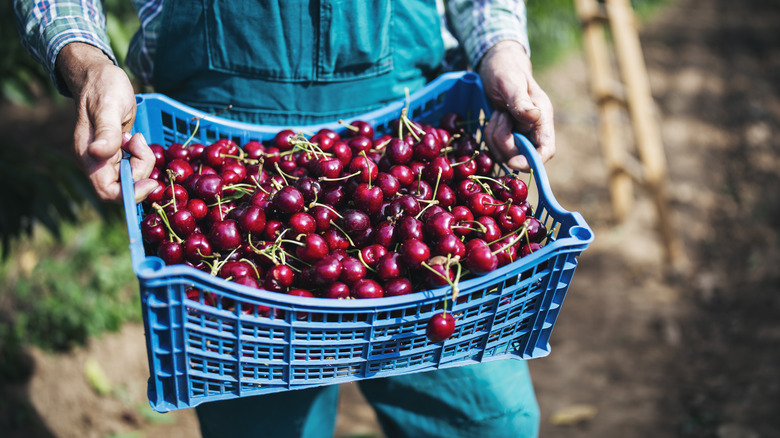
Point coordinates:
[[525, 113]]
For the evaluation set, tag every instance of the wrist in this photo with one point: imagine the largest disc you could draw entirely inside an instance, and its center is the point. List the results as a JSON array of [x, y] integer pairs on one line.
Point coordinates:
[[505, 50], [74, 63]]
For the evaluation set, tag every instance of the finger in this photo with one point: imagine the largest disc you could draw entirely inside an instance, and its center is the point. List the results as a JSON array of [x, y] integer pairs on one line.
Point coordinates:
[[502, 140], [144, 188], [105, 178], [106, 138], [142, 158]]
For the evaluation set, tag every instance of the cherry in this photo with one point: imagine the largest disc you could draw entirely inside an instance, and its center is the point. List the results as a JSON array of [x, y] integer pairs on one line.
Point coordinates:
[[367, 170], [389, 266], [324, 140], [334, 196], [353, 270], [514, 189], [366, 288], [466, 146], [388, 184], [288, 200], [253, 149], [252, 220], [438, 165], [367, 198], [359, 144], [272, 229], [354, 222], [451, 122], [421, 190], [529, 248], [326, 270], [336, 290], [176, 193], [309, 188], [157, 194], [440, 327], [398, 151], [196, 247], [403, 174], [322, 216], [511, 219], [450, 245], [490, 231], [484, 164], [225, 235], [335, 239], [153, 229], [384, 234], [404, 205], [283, 139], [427, 148], [198, 208], [446, 196], [481, 260], [398, 286], [159, 155], [360, 127], [314, 248], [440, 224], [209, 188], [213, 155], [182, 223], [463, 168], [536, 230], [415, 252], [505, 253], [409, 228], [180, 169], [236, 268], [465, 189], [481, 204], [442, 277], [372, 253], [329, 168], [170, 252]]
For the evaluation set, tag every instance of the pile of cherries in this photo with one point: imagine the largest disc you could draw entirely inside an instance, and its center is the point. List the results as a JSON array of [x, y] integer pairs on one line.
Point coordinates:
[[347, 215]]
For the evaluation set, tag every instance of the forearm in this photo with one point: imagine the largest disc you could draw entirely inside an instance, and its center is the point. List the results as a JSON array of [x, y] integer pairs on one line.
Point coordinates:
[[481, 24], [46, 28]]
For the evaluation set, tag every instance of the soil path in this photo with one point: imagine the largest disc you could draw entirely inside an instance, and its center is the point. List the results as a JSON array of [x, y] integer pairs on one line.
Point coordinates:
[[635, 352]]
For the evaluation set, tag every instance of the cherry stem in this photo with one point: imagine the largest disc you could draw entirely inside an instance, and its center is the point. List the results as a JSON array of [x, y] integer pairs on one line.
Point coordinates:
[[524, 234], [194, 131], [368, 167], [482, 227], [164, 218], [360, 257], [478, 177], [348, 126], [315, 203], [342, 232], [471, 158], [341, 178]]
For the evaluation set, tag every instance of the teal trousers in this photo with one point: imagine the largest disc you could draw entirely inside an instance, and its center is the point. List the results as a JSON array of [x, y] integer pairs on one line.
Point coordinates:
[[492, 399]]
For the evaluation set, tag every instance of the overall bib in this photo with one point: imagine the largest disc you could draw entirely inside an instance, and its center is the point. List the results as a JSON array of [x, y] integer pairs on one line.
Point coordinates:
[[298, 62]]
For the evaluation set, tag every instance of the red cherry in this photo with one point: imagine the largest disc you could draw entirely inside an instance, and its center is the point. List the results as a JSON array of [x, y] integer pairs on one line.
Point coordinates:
[[415, 252], [170, 252], [389, 266], [196, 247], [440, 327], [366, 288], [403, 174], [450, 245], [314, 248], [398, 286], [252, 220], [288, 200], [283, 139], [368, 199], [225, 235], [481, 260], [353, 270], [336, 290], [182, 223], [398, 151], [302, 223], [372, 253]]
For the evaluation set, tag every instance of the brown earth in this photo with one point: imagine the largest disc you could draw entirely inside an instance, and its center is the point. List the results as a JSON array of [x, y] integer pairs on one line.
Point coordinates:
[[637, 352]]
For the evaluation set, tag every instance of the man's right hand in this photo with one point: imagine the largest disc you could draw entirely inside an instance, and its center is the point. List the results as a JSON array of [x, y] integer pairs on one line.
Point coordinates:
[[106, 111]]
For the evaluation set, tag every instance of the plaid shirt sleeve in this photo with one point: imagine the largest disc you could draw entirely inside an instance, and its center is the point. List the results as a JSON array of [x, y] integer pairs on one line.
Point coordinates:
[[46, 26], [480, 24]]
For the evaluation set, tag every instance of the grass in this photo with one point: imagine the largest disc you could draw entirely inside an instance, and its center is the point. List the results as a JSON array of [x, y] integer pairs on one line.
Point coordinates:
[[57, 293]]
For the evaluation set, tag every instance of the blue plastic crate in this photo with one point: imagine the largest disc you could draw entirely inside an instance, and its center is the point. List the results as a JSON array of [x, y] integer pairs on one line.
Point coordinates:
[[199, 353]]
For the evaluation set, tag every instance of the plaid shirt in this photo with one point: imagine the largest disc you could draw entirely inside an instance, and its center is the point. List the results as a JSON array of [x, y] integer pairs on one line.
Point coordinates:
[[46, 26]]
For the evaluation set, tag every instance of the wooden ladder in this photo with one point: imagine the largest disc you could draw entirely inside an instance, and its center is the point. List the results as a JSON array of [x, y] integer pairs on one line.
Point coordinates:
[[613, 97]]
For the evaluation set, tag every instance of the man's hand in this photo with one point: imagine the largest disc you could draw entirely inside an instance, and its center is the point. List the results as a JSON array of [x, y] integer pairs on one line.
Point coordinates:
[[106, 110], [519, 102]]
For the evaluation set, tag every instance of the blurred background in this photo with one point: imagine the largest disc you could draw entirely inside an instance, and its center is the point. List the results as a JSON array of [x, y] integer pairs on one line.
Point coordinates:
[[638, 351]]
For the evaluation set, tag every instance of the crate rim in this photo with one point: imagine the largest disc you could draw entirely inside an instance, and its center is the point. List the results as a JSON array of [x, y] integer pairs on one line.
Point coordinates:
[[151, 268]]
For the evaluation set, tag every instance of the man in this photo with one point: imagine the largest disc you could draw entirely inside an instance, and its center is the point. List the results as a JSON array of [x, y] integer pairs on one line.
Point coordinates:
[[296, 63]]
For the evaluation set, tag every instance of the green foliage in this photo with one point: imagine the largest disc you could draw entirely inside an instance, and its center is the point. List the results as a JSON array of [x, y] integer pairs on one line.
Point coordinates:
[[56, 295]]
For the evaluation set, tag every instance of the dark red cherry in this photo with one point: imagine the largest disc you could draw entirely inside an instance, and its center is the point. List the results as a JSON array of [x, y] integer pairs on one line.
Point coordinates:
[[366, 288], [440, 327]]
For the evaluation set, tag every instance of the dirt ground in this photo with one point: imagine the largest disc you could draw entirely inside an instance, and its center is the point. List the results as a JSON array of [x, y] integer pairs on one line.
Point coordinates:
[[637, 352]]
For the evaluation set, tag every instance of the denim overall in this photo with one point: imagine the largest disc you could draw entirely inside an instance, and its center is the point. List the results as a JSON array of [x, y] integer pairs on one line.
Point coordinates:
[[298, 62]]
